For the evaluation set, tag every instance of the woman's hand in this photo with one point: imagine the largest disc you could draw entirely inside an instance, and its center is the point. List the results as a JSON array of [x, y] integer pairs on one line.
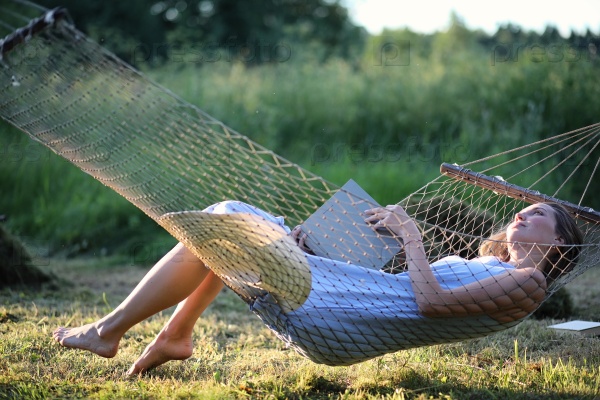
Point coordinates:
[[300, 239], [395, 219]]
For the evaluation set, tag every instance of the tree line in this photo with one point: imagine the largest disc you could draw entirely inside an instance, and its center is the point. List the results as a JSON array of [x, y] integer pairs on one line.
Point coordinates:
[[144, 31]]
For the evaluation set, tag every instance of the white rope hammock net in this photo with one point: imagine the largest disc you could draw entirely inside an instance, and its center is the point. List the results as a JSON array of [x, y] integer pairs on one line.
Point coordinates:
[[173, 161]]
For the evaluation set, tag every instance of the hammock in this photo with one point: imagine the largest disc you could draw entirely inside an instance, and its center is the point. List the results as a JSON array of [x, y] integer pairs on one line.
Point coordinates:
[[170, 159]]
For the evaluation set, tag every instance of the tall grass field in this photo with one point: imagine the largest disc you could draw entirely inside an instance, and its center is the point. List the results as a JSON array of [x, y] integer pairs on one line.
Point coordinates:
[[387, 127]]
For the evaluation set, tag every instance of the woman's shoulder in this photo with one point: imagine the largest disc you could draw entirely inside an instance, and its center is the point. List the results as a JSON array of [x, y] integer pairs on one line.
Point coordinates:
[[492, 261], [485, 261]]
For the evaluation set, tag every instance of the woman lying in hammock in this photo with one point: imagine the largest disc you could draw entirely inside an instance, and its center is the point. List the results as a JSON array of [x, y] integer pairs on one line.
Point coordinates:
[[352, 313]]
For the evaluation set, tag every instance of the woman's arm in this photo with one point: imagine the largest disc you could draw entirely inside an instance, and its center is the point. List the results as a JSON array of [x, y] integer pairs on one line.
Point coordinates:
[[505, 297]]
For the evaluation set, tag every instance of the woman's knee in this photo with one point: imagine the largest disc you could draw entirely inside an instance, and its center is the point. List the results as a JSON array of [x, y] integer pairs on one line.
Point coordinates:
[[235, 206], [229, 207]]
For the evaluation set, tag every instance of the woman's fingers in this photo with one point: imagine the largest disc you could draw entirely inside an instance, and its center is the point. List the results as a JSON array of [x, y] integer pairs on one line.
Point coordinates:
[[374, 215], [383, 219], [392, 217], [300, 239], [302, 244], [373, 219], [296, 231]]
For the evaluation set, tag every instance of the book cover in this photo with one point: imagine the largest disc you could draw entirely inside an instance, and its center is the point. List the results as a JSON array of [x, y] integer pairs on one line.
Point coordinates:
[[337, 230]]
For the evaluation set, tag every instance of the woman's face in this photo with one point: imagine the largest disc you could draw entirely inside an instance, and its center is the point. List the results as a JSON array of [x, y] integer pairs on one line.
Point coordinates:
[[534, 224]]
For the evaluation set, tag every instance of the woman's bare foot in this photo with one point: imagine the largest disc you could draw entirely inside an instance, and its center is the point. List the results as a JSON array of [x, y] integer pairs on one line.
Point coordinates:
[[87, 337], [162, 349]]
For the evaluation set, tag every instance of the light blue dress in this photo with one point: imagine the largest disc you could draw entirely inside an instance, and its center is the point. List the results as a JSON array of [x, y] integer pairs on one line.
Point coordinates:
[[354, 314]]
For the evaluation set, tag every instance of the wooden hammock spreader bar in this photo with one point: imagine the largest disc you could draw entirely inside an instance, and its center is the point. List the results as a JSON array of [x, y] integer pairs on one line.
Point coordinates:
[[516, 192], [36, 25]]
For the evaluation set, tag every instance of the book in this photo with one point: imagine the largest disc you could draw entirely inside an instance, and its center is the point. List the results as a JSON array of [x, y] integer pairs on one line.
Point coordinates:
[[337, 230], [585, 328]]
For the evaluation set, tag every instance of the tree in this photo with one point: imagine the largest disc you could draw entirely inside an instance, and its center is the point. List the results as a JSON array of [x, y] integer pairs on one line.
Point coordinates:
[[253, 31]]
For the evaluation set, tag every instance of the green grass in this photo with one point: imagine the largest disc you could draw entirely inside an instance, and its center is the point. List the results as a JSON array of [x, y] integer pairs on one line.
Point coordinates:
[[237, 357]]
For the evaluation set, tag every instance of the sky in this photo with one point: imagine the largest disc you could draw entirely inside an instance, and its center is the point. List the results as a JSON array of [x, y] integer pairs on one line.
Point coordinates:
[[427, 16]]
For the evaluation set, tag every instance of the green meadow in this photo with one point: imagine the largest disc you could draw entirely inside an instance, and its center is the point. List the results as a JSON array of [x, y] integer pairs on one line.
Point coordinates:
[[237, 357]]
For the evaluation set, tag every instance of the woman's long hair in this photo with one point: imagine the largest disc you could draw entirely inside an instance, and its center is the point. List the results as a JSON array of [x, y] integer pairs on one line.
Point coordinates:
[[560, 261]]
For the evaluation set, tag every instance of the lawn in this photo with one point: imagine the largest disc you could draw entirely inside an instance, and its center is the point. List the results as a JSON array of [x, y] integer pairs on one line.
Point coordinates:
[[237, 357]]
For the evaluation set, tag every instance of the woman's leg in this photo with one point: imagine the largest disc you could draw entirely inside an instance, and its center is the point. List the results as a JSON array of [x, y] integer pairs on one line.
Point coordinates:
[[171, 280], [174, 341]]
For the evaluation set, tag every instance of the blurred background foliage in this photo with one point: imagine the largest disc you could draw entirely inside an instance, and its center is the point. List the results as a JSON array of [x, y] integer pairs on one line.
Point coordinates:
[[298, 77]]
